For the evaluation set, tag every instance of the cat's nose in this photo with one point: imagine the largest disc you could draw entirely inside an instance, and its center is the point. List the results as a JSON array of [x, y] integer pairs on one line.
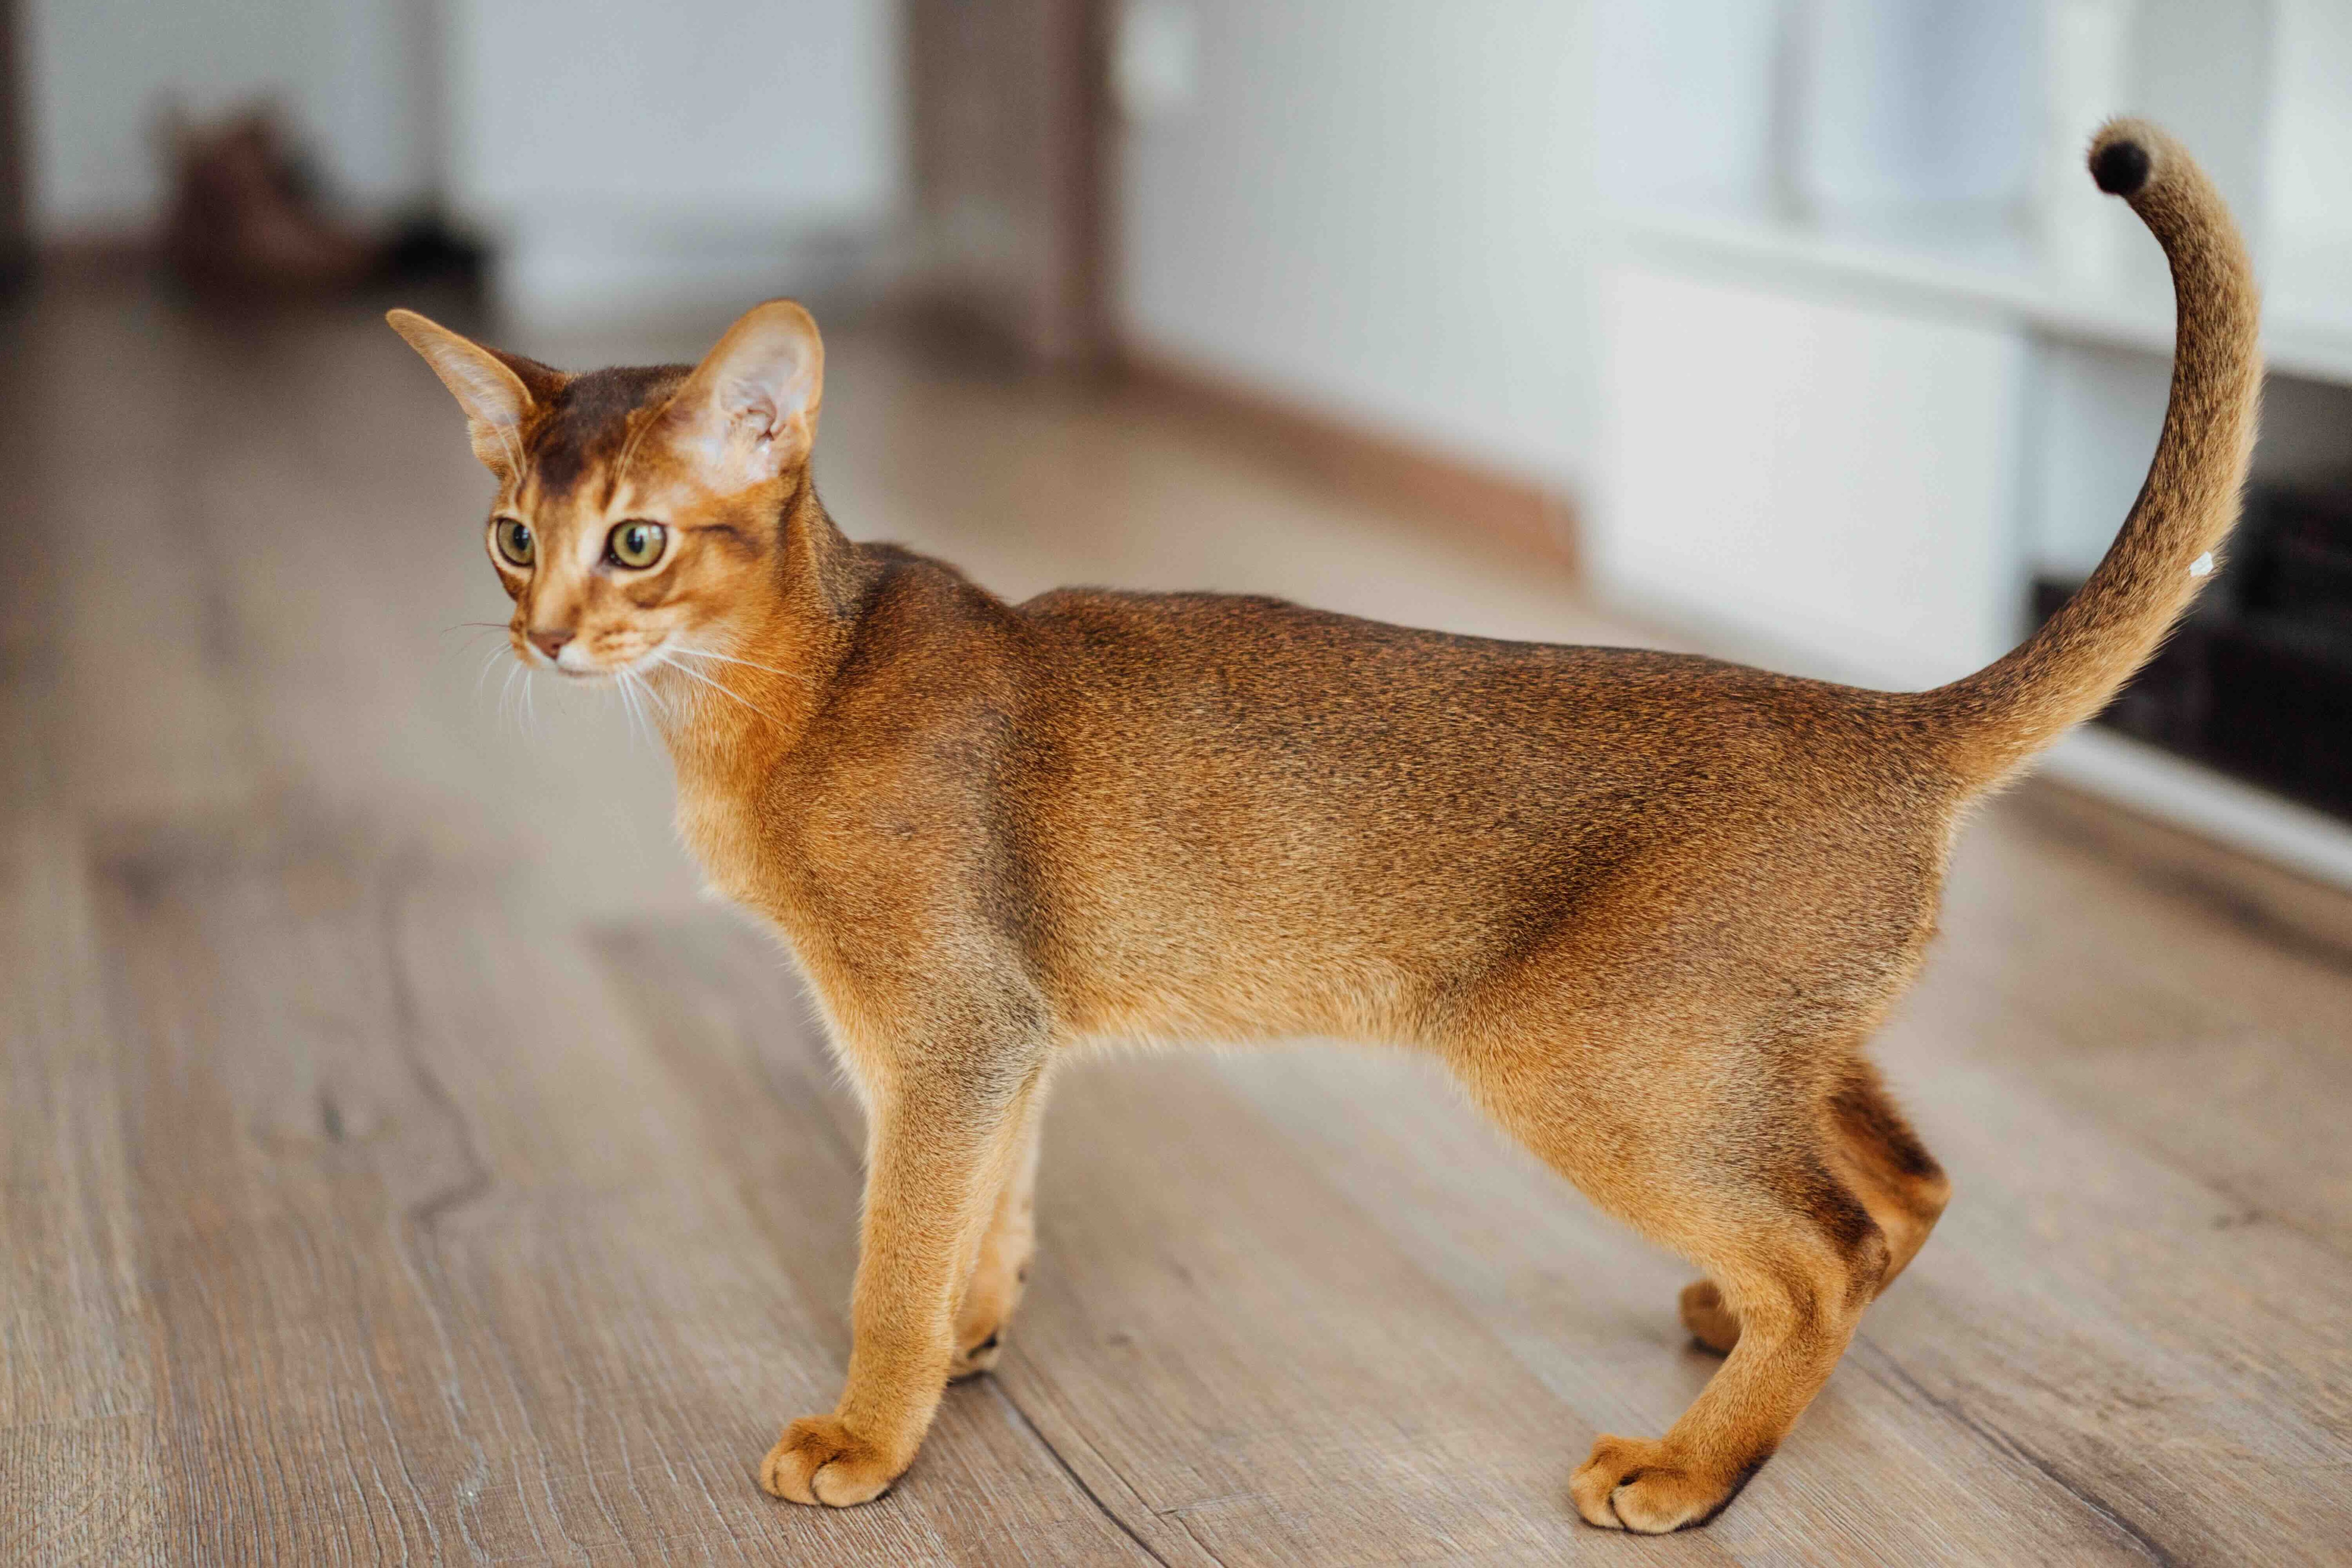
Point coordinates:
[[549, 642]]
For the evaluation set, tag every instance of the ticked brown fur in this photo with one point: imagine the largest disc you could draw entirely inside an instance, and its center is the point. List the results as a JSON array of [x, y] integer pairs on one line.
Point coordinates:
[[1649, 908]]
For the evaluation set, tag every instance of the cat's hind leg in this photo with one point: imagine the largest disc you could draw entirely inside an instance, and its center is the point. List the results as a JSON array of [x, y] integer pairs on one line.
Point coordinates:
[[1719, 1150], [1874, 1152], [1883, 1160]]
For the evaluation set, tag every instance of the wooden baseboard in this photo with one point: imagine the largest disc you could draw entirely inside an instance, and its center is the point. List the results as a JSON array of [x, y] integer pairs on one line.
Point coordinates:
[[1363, 463]]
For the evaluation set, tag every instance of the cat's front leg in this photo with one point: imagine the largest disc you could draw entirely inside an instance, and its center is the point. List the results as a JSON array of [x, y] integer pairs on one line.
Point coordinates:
[[945, 1143]]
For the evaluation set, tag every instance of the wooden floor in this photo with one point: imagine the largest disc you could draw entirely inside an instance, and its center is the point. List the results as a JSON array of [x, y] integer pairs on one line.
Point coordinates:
[[403, 1164]]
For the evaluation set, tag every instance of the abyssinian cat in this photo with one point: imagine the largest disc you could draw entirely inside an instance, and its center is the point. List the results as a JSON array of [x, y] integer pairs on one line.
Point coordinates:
[[1648, 907]]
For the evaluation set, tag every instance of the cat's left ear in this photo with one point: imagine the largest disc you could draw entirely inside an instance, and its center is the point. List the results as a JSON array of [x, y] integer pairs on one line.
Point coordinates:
[[497, 390], [749, 411]]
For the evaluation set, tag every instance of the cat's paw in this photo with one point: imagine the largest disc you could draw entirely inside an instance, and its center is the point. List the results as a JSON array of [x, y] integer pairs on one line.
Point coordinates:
[[819, 1460], [1636, 1484], [974, 1359], [987, 1309], [1708, 1318]]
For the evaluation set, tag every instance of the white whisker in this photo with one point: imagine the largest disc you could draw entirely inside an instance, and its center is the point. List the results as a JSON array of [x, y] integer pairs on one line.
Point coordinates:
[[475, 635], [482, 677], [648, 702], [654, 699], [731, 659], [639, 697], [629, 704], [696, 674]]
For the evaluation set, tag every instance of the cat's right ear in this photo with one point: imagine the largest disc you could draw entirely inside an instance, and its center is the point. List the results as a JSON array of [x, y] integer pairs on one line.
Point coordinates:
[[497, 391]]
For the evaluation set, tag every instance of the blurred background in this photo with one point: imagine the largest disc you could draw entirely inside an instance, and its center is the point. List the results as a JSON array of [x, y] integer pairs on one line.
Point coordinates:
[[1793, 325], [400, 1159]]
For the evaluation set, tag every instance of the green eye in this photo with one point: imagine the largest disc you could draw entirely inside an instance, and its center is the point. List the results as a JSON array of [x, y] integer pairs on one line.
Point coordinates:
[[512, 537], [636, 544]]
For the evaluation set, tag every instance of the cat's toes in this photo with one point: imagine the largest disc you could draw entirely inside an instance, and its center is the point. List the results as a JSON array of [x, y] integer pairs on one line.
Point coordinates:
[[819, 1460], [1708, 1318], [1635, 1483], [975, 1359]]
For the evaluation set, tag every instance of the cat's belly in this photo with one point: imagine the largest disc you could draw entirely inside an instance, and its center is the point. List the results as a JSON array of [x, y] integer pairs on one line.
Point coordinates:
[[1243, 957]]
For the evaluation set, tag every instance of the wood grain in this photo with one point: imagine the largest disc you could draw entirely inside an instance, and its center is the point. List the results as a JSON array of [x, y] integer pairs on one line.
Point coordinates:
[[403, 1164]]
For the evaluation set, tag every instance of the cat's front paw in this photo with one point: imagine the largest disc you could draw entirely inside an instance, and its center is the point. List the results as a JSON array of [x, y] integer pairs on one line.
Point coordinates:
[[819, 1460], [1647, 1486]]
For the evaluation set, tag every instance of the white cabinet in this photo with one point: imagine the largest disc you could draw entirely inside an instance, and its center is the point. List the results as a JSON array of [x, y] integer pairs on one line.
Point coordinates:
[[1834, 480]]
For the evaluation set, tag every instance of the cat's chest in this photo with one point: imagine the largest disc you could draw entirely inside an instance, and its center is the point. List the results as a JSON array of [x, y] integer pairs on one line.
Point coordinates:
[[756, 851], [810, 849], [723, 831]]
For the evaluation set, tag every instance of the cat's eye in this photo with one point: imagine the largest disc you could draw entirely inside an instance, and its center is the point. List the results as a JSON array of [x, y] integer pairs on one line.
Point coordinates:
[[636, 544], [515, 544]]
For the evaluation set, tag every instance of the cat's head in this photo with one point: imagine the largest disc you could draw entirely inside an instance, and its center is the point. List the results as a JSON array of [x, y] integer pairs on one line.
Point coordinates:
[[638, 510]]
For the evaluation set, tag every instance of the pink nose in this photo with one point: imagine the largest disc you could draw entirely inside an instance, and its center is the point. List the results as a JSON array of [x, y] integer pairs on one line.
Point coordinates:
[[549, 642]]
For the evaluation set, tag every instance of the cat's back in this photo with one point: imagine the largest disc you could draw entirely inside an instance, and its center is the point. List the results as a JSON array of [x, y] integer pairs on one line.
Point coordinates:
[[1203, 668]]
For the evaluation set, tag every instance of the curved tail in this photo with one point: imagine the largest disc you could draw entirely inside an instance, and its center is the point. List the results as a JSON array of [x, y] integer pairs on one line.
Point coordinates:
[[1994, 719]]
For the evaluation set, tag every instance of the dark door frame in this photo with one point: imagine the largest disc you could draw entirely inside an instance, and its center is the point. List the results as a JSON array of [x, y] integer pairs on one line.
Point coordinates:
[[16, 217], [1010, 123]]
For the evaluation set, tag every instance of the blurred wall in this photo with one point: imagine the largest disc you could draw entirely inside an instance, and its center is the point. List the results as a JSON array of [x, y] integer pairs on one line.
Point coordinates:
[[2311, 137], [1381, 208], [356, 77], [697, 153]]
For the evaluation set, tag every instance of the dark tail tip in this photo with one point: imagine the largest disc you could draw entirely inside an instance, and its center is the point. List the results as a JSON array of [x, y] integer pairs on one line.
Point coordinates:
[[2120, 167]]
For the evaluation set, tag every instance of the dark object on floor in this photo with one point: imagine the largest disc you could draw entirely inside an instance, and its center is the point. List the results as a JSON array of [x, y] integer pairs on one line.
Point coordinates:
[[2258, 682], [249, 220], [425, 249]]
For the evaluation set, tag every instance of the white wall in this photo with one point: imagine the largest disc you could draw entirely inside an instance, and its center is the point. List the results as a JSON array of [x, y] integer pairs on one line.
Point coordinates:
[[1686, 105], [1382, 208], [2310, 218], [639, 157], [733, 108], [353, 74]]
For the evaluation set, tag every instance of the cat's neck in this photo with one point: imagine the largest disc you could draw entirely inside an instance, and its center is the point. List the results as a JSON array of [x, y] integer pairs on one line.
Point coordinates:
[[736, 708]]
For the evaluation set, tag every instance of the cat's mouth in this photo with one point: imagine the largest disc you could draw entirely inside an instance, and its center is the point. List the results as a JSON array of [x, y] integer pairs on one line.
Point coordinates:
[[644, 662]]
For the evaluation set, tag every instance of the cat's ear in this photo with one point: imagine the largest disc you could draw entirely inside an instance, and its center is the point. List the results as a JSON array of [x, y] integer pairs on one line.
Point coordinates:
[[749, 411], [497, 390]]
